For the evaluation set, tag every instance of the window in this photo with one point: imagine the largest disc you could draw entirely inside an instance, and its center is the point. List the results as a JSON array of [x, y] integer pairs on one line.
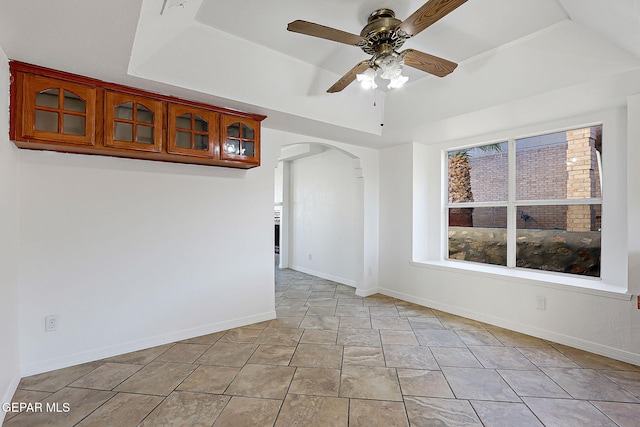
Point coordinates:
[[532, 202]]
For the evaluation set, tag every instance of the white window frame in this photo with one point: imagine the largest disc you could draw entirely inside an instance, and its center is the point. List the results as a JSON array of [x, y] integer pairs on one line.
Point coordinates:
[[429, 242], [511, 204]]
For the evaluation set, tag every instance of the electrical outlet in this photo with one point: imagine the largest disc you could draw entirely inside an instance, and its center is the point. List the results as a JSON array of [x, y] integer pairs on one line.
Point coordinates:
[[541, 303], [51, 323], [310, 257]]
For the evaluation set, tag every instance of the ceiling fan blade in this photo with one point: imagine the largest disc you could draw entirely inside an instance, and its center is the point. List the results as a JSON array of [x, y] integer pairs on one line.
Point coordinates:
[[428, 14], [429, 63], [349, 77], [317, 30]]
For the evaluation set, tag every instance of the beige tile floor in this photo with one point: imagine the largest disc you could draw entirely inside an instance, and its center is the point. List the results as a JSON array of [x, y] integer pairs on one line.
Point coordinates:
[[334, 359]]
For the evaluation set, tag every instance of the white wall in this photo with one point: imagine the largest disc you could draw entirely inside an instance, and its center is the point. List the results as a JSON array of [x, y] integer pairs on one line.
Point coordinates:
[[366, 165], [604, 322], [633, 200], [9, 223], [326, 217], [132, 254]]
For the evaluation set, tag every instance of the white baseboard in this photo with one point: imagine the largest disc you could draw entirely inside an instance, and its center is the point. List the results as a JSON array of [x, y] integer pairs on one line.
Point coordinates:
[[326, 276], [8, 395], [114, 350], [545, 334]]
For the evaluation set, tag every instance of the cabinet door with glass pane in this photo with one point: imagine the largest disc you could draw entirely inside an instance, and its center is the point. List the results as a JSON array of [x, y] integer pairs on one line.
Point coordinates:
[[240, 139], [133, 122], [193, 131], [58, 111]]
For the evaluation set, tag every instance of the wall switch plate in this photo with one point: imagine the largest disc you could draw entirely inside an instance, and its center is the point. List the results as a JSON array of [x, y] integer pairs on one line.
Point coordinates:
[[51, 323], [541, 303]]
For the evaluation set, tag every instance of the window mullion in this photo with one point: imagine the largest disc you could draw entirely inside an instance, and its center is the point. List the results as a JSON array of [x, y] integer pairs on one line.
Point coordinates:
[[476, 205], [511, 204], [557, 202]]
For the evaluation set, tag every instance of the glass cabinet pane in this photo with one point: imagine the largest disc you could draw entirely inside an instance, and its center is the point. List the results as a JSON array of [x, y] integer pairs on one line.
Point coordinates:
[[144, 134], [247, 132], [143, 114], [248, 149], [73, 102], [232, 146], [123, 131], [135, 122], [46, 121], [73, 125], [233, 130], [189, 130], [48, 98], [124, 111], [200, 124], [183, 139], [184, 121], [201, 142]]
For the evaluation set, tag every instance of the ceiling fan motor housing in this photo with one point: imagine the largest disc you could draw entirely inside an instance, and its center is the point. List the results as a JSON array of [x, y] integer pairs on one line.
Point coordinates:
[[381, 29]]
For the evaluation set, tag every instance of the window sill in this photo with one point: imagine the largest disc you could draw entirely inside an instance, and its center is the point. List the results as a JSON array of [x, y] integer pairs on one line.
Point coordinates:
[[566, 282]]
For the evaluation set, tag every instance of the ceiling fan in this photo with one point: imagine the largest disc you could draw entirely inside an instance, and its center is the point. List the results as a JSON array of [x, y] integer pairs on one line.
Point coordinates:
[[381, 38]]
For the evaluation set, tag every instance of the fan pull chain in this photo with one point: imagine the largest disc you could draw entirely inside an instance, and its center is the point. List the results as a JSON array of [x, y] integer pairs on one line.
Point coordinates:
[[381, 111], [375, 104]]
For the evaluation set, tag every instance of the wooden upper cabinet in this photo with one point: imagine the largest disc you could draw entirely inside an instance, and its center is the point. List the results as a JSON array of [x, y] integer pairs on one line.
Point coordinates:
[[193, 131], [240, 139], [132, 122], [57, 110]]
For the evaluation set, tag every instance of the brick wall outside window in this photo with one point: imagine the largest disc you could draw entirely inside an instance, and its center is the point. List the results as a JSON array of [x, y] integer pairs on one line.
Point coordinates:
[[563, 169]]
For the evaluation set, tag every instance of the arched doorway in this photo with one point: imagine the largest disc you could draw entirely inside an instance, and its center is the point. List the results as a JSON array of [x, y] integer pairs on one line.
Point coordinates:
[[319, 199]]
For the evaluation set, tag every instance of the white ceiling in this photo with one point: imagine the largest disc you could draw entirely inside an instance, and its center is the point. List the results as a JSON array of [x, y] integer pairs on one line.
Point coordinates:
[[475, 27], [238, 54]]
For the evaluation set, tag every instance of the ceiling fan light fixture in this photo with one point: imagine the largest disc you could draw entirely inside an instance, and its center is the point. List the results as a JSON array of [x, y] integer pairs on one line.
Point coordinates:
[[390, 66], [367, 79], [391, 72], [397, 82]]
